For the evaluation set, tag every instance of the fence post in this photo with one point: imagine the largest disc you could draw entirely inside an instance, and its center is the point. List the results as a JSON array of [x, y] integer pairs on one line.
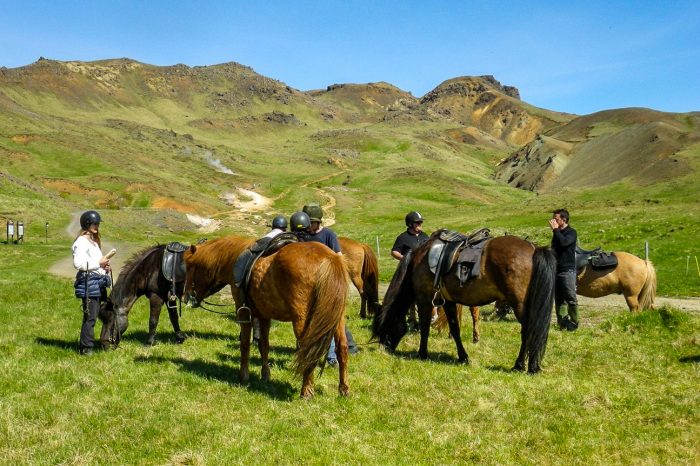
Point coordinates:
[[378, 256], [646, 250]]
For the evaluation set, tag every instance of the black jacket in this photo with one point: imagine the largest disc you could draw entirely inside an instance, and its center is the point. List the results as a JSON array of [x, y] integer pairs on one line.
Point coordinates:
[[564, 245]]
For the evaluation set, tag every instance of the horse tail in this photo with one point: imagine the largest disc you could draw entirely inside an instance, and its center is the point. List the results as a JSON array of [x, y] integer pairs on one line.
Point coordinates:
[[370, 277], [539, 303], [648, 293], [397, 300], [326, 310]]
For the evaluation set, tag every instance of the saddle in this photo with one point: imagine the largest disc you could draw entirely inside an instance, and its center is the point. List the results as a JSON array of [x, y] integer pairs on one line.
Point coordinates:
[[451, 248], [173, 264], [598, 259], [261, 248]]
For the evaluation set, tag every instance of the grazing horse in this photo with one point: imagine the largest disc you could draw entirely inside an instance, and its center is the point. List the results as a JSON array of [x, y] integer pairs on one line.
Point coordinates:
[[142, 275], [364, 273], [633, 277], [302, 283], [512, 270]]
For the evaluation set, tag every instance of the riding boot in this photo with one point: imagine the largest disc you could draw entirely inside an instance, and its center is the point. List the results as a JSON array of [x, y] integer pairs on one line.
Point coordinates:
[[573, 314], [561, 316]]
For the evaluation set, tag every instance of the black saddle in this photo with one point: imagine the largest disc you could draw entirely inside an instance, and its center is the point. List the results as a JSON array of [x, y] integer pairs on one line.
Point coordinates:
[[173, 264], [450, 248], [598, 259], [261, 248]]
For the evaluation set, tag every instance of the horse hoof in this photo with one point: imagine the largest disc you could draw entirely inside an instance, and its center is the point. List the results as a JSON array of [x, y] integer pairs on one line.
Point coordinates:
[[518, 368], [533, 370], [464, 361], [180, 339], [344, 391], [424, 357]]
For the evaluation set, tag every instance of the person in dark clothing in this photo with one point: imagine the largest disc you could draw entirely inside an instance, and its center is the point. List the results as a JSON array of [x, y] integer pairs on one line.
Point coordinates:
[[411, 239], [564, 245]]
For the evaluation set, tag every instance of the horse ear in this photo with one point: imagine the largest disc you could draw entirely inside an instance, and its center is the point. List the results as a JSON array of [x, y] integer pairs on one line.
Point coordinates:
[[193, 248]]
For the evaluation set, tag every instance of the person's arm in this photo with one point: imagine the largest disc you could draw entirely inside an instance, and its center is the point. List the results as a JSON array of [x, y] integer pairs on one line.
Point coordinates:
[[565, 239], [81, 257], [396, 255]]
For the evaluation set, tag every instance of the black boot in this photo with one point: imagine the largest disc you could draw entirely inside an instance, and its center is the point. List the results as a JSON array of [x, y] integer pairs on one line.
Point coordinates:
[[573, 313]]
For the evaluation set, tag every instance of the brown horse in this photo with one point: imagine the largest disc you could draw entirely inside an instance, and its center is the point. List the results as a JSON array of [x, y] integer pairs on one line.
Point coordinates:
[[364, 273], [633, 277], [512, 270], [302, 283], [441, 322]]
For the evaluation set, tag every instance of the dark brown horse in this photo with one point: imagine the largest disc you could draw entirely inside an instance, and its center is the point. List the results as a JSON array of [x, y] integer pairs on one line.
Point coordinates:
[[364, 273], [512, 270], [302, 283], [142, 276]]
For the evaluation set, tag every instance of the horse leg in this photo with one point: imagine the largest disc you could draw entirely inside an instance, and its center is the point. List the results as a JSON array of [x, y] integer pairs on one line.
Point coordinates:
[[450, 309], [476, 331], [341, 353], [520, 362], [264, 346], [175, 321], [156, 305], [363, 306], [243, 373], [425, 314], [632, 302]]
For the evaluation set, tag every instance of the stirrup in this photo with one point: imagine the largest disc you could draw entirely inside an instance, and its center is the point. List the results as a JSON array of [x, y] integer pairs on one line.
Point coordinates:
[[238, 315]]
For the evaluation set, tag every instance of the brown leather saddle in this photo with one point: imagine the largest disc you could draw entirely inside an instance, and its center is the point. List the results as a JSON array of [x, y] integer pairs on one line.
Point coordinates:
[[463, 252]]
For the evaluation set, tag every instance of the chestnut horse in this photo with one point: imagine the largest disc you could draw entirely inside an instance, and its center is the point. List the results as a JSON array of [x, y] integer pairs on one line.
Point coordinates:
[[364, 273], [633, 277], [142, 276], [512, 270], [302, 283]]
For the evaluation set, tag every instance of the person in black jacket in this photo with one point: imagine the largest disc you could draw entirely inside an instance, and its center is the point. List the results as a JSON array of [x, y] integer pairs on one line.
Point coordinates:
[[564, 245]]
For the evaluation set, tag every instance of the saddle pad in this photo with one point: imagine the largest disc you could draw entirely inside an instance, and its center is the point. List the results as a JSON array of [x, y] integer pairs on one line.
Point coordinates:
[[173, 264], [469, 261]]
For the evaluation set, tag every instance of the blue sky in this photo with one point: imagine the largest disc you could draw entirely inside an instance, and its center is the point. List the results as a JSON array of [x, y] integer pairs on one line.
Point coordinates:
[[576, 56]]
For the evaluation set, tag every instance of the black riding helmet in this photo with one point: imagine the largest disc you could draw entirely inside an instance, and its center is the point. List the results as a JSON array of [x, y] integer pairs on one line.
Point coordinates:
[[88, 218], [413, 217], [279, 222], [299, 221], [314, 211]]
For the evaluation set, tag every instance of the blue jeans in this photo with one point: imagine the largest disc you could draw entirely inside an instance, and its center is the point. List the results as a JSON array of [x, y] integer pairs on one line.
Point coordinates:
[[352, 346]]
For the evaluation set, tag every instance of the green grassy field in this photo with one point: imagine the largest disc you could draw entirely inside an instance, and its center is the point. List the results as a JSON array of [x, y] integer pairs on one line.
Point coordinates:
[[623, 389]]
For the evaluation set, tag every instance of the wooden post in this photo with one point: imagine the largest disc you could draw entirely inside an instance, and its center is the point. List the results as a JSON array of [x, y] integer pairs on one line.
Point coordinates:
[[378, 256], [646, 250]]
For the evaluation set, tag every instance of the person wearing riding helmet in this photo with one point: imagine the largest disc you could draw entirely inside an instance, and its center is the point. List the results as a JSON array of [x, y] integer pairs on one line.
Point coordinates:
[[93, 278], [279, 226], [411, 239], [307, 225]]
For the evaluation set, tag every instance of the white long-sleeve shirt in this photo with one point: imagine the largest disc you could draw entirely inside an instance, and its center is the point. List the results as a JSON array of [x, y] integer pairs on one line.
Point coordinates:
[[87, 253]]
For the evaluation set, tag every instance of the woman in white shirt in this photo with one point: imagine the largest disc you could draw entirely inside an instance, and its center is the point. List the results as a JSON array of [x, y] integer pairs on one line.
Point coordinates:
[[92, 278]]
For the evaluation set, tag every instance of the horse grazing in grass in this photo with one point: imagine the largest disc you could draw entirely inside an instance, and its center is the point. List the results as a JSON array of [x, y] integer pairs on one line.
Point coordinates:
[[511, 270], [633, 277], [302, 283], [142, 275], [364, 273]]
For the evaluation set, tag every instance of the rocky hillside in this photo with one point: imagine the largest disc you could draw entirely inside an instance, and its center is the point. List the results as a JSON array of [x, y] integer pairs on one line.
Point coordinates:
[[635, 144]]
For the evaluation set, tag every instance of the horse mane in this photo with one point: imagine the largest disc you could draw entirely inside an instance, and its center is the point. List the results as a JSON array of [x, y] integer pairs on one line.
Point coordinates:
[[216, 254], [127, 277]]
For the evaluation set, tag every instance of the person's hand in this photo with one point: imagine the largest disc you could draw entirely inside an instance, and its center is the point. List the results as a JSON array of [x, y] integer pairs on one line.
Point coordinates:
[[104, 262], [553, 224], [108, 268]]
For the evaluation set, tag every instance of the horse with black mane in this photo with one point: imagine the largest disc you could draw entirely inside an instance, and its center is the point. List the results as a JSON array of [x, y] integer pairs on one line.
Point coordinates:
[[302, 283], [143, 275], [511, 270]]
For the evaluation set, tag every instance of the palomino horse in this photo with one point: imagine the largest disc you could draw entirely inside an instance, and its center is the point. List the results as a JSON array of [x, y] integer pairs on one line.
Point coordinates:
[[512, 270], [302, 283], [633, 277], [142, 275], [364, 273]]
